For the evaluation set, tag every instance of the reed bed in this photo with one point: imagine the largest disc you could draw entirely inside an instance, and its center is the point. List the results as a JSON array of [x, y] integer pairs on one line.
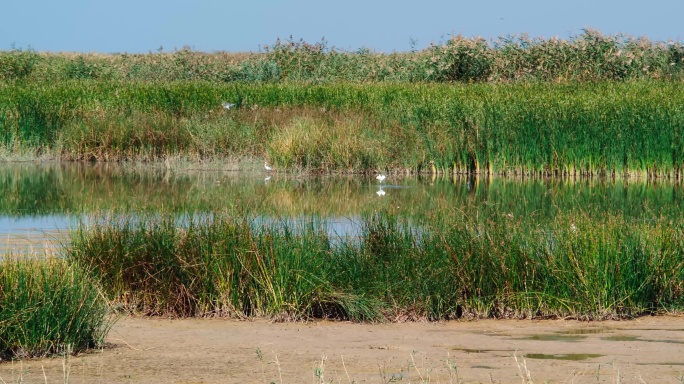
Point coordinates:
[[608, 129], [445, 267], [48, 307], [589, 56]]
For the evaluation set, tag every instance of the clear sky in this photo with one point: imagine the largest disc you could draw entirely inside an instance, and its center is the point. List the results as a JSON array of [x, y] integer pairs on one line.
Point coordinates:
[[245, 25]]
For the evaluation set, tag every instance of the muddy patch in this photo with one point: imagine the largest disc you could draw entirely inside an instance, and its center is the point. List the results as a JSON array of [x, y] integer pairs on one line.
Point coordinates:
[[563, 356], [555, 337]]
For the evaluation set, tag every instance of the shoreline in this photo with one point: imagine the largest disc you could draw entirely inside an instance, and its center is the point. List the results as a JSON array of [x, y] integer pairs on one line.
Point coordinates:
[[231, 351]]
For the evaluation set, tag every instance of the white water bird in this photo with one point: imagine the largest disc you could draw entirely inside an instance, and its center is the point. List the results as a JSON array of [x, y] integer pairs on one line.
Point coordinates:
[[267, 167], [228, 105], [381, 177]]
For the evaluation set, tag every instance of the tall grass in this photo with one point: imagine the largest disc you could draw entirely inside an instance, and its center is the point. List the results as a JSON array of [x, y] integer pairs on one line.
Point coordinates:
[[531, 129], [448, 266], [48, 307], [214, 267]]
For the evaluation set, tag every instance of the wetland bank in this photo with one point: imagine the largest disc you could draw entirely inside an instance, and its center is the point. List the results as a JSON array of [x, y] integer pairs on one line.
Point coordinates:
[[514, 190], [220, 350]]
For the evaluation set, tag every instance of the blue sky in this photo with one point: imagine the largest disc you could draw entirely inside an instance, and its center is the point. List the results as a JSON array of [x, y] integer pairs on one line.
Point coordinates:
[[213, 25]]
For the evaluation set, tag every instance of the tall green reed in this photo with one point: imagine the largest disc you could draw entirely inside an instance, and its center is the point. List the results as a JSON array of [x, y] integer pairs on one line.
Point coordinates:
[[214, 266], [460, 264], [576, 129]]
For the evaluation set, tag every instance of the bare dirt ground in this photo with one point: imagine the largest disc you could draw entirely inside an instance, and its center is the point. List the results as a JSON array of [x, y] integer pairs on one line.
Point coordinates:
[[145, 350]]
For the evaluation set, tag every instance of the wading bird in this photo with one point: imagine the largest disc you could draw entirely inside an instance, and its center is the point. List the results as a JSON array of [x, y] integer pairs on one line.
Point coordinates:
[[381, 178], [267, 167], [228, 105]]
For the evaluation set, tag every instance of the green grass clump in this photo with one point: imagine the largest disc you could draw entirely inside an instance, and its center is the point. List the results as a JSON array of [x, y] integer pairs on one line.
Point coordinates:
[[219, 266], [443, 267], [49, 307]]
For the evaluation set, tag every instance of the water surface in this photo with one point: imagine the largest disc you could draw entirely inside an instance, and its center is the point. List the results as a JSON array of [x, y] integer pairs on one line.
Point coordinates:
[[40, 201]]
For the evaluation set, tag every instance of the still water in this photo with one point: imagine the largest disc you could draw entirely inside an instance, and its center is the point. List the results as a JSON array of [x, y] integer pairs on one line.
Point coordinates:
[[39, 203]]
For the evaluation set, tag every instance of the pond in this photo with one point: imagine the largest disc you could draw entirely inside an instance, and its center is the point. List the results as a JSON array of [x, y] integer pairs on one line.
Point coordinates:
[[39, 202]]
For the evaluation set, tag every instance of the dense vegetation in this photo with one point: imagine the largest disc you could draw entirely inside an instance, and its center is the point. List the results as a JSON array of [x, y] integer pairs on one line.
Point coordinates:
[[589, 105], [590, 56], [447, 266], [612, 129]]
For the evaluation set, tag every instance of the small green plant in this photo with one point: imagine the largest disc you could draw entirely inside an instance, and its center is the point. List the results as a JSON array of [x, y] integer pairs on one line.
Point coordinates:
[[319, 370], [260, 357]]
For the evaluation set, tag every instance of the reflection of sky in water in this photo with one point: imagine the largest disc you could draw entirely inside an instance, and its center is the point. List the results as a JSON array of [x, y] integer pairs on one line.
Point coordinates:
[[33, 233], [334, 226], [23, 232], [35, 224], [340, 229], [344, 226]]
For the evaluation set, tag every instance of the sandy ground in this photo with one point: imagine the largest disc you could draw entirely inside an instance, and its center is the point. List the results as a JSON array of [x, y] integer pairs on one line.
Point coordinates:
[[147, 350]]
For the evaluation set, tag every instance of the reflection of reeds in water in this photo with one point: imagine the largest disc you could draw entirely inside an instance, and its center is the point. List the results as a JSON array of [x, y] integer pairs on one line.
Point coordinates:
[[75, 189], [282, 201], [448, 266]]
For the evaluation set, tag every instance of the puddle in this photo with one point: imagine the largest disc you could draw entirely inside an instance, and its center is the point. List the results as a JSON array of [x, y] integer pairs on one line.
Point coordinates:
[[483, 367], [666, 341], [567, 356], [492, 333], [585, 331], [651, 329], [554, 337], [470, 350], [666, 363], [475, 350], [621, 338]]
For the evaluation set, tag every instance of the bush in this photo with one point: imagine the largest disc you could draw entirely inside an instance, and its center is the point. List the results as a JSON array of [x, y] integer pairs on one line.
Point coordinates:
[[460, 59]]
